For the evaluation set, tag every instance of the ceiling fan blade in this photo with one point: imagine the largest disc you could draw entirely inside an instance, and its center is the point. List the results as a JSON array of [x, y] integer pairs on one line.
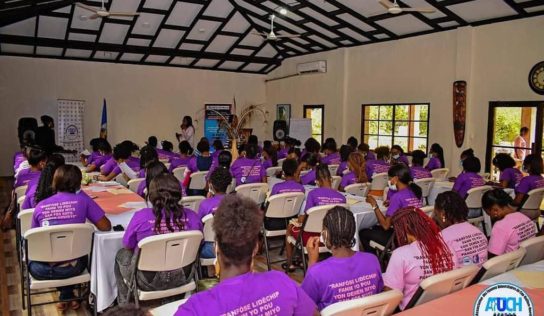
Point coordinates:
[[124, 13], [386, 4], [86, 7], [421, 10], [289, 35], [263, 34], [94, 17]]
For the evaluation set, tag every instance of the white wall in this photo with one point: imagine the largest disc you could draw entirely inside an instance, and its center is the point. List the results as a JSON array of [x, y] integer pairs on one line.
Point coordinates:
[[142, 100], [494, 59]]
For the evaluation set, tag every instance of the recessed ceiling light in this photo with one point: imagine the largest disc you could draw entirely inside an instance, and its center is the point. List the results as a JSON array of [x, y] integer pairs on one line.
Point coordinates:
[[83, 17], [283, 11], [202, 30], [146, 25]]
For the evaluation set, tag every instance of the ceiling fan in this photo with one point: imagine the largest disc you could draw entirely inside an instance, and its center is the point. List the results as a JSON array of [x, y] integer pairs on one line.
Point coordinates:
[[271, 36], [103, 12], [394, 8]]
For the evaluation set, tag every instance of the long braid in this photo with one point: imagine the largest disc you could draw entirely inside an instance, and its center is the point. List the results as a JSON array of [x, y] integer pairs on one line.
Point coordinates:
[[165, 194], [356, 162], [340, 223], [414, 222]]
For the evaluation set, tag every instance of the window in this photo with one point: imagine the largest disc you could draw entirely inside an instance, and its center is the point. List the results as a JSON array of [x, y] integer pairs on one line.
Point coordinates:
[[406, 125], [317, 114]]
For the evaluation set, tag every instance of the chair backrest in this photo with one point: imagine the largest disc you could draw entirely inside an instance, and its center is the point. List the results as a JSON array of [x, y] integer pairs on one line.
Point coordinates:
[[192, 202], [20, 191], [333, 169], [284, 205], [59, 243], [198, 180], [359, 189], [120, 178], [336, 182], [426, 186], [272, 171], [25, 220], [170, 251], [20, 201], [442, 284], [440, 173], [534, 248], [314, 220], [179, 172], [232, 186], [474, 197], [500, 264], [533, 200], [209, 234], [382, 304], [255, 191], [133, 184], [428, 210], [280, 162], [379, 181]]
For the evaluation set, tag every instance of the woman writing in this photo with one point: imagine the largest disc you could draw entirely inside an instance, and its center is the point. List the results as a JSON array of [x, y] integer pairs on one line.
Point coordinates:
[[356, 174]]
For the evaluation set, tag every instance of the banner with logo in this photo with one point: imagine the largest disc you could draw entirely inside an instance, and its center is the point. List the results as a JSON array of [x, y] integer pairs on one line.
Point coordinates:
[[213, 115], [70, 127]]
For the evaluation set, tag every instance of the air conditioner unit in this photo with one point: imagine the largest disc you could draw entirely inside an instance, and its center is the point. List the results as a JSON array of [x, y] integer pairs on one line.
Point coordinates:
[[319, 66]]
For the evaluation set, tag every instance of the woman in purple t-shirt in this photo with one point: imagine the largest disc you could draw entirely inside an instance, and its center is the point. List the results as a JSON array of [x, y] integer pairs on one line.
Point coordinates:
[[104, 149], [237, 224], [347, 274], [398, 156], [408, 194], [330, 151], [417, 170], [153, 169], [469, 178], [185, 155], [166, 216], [356, 174], [248, 169], [510, 176], [436, 161], [533, 166], [121, 153], [308, 163], [345, 150], [67, 206], [41, 189]]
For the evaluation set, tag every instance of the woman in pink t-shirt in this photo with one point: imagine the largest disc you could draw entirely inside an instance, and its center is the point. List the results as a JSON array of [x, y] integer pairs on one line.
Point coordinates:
[[466, 242], [510, 226], [421, 253]]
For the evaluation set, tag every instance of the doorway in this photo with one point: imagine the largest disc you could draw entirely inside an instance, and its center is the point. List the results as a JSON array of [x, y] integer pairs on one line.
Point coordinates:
[[505, 120], [316, 113]]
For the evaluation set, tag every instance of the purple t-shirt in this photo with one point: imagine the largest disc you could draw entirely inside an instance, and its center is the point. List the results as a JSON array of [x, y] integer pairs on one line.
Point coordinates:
[[99, 161], [332, 159], [18, 158], [267, 164], [30, 194], [341, 167], [467, 244], [163, 154], [192, 166], [209, 205], [466, 181], [132, 162], [347, 179], [401, 159], [178, 162], [420, 172], [528, 183], [434, 163], [340, 279], [25, 176], [66, 208], [401, 199], [258, 294], [282, 154], [308, 178], [370, 156], [92, 157], [376, 166], [512, 175], [142, 225], [323, 196], [108, 167], [246, 170], [289, 186]]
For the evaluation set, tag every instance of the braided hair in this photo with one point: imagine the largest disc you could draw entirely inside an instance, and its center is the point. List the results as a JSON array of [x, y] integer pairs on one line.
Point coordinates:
[[44, 188], [153, 169], [356, 163], [413, 221], [454, 207], [340, 225], [322, 173], [165, 194]]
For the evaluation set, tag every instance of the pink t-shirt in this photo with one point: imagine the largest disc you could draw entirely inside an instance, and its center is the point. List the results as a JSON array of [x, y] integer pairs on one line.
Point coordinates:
[[467, 244], [406, 269], [509, 232]]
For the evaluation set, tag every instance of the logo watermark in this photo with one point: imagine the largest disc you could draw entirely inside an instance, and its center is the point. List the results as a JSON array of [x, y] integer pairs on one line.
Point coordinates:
[[503, 299]]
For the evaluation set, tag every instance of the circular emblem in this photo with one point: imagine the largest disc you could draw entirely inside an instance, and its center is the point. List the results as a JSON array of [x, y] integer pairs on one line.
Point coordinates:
[[536, 78], [71, 132], [503, 299]]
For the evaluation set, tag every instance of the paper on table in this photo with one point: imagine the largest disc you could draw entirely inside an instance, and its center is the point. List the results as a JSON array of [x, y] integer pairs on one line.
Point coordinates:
[[97, 189], [108, 183], [86, 153], [530, 279], [352, 201], [119, 191], [134, 205]]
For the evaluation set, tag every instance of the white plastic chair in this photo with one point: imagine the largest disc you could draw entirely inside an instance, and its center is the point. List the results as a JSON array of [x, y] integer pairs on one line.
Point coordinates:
[[428, 210], [198, 180], [333, 169], [23, 224], [379, 182], [192, 202], [20, 191], [500, 264], [426, 186], [533, 202], [443, 284], [232, 186], [280, 162], [272, 171], [133, 184], [382, 304], [167, 252], [280, 206], [254, 191], [20, 201], [358, 189], [57, 243], [534, 248], [312, 224], [179, 172], [168, 309], [336, 182], [474, 201], [440, 173], [120, 178], [209, 236]]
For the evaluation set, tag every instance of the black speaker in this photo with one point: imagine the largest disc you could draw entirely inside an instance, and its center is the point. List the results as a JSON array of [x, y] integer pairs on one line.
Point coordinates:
[[280, 130]]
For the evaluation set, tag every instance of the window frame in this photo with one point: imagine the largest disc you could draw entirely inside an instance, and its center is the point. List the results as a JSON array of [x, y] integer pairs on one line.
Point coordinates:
[[393, 121], [322, 108]]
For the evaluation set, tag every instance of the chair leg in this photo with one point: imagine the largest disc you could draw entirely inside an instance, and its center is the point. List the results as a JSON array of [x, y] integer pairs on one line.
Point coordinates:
[[304, 264], [28, 297], [267, 251], [22, 267]]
